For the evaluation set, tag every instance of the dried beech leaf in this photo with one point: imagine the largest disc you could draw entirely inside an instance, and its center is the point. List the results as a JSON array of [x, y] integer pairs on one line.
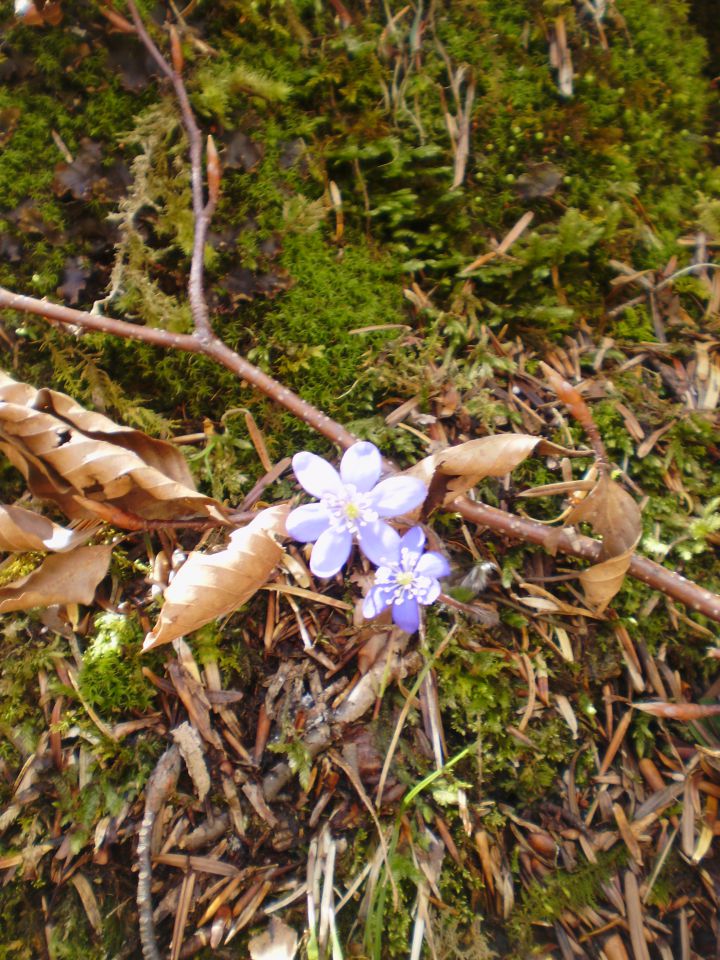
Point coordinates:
[[76, 457], [603, 580], [613, 514], [208, 586], [24, 530], [468, 463], [156, 453], [62, 578], [679, 711]]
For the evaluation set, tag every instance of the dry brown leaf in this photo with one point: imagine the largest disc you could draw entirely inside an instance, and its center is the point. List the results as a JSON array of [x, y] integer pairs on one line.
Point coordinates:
[[679, 711], [62, 578], [613, 514], [208, 586], [160, 454], [602, 581], [76, 458], [22, 530], [567, 713], [614, 948], [454, 470], [633, 906]]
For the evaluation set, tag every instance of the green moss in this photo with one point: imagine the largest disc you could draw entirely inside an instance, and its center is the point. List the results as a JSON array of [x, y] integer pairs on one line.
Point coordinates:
[[19, 565], [545, 901], [480, 700], [362, 108], [111, 676]]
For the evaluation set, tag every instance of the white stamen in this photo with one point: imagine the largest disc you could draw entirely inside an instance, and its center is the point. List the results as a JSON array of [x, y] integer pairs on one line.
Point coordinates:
[[349, 512]]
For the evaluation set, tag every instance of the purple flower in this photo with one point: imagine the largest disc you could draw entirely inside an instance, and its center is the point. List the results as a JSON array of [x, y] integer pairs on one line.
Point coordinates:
[[406, 577], [352, 505]]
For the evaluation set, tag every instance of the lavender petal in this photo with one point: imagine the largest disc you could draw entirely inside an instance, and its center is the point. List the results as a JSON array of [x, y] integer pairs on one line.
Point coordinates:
[[316, 475], [361, 465], [375, 602], [380, 543], [406, 614], [431, 594], [330, 552], [413, 540], [306, 523], [397, 495], [432, 564]]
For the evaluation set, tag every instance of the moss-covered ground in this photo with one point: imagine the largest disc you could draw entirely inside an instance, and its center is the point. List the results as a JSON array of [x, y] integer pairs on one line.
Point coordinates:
[[336, 262]]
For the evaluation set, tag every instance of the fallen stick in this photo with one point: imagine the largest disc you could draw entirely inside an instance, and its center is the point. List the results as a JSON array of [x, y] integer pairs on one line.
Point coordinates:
[[554, 540], [204, 341], [160, 785]]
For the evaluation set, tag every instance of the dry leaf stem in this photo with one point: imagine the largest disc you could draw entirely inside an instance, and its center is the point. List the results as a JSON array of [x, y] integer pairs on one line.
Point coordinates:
[[203, 341]]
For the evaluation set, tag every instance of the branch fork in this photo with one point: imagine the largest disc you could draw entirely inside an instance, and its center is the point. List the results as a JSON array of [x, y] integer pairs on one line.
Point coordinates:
[[204, 341]]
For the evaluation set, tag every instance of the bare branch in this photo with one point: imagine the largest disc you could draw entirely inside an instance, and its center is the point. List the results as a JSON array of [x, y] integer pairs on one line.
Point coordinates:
[[517, 528], [204, 342], [189, 343], [159, 787], [202, 211]]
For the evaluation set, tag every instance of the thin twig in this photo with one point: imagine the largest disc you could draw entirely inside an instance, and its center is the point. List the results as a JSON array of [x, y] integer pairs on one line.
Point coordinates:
[[213, 348], [160, 785], [202, 210], [507, 524]]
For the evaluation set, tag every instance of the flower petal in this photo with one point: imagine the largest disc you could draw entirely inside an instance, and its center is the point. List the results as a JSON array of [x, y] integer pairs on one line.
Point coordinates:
[[406, 614], [361, 465], [397, 495], [306, 523], [433, 564], [375, 602], [380, 543], [431, 594], [330, 552], [413, 540], [316, 475]]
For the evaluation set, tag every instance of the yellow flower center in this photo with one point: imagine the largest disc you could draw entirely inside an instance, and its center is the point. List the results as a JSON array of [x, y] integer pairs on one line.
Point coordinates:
[[404, 579], [352, 511]]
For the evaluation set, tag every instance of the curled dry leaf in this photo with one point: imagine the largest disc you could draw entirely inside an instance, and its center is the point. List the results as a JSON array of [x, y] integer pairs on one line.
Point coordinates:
[[24, 530], [76, 457], [612, 513], [454, 470], [211, 585], [62, 578], [679, 711], [603, 580]]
